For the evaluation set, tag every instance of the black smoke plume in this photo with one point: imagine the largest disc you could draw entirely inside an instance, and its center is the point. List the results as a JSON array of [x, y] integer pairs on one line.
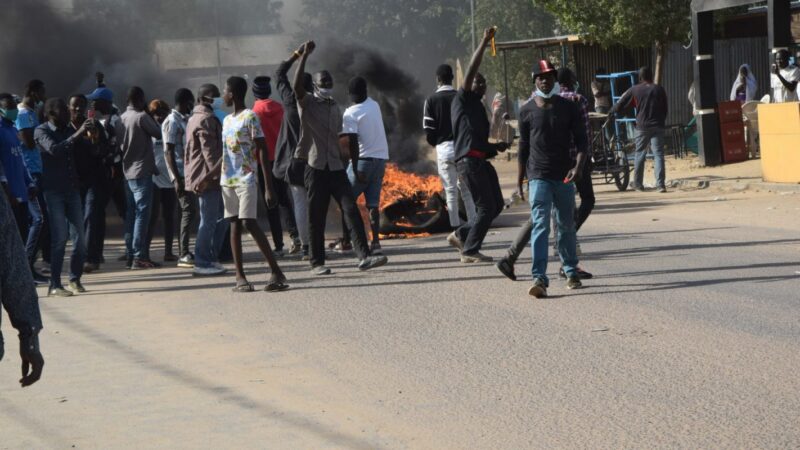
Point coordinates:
[[394, 89]]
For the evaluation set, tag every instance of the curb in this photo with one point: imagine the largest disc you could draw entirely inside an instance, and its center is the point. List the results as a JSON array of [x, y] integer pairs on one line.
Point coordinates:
[[738, 184]]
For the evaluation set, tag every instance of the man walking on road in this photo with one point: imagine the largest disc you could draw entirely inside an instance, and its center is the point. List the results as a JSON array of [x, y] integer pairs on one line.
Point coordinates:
[[549, 127], [472, 152], [439, 133], [650, 100], [325, 176]]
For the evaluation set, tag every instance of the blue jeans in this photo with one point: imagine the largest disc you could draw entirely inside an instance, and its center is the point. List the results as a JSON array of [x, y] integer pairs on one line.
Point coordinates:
[[37, 217], [137, 217], [373, 170], [544, 195], [65, 214], [211, 233], [655, 138]]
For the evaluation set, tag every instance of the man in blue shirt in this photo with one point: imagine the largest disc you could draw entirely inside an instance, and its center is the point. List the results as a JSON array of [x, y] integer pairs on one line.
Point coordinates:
[[17, 182]]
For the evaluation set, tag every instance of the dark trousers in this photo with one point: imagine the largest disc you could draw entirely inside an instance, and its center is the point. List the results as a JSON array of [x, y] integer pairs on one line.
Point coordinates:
[[164, 200], [281, 216], [21, 217], [586, 193], [481, 180], [43, 242], [322, 185], [95, 199], [119, 193], [188, 205]]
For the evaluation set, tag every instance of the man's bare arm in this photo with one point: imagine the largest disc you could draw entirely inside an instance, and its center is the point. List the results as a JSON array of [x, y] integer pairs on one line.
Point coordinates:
[[299, 88], [477, 58]]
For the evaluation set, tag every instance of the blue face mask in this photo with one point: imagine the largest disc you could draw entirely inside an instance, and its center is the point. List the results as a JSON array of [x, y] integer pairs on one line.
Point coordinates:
[[9, 114], [556, 89]]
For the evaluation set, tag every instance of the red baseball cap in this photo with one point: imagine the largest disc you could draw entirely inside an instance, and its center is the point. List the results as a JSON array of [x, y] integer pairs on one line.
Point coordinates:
[[543, 67]]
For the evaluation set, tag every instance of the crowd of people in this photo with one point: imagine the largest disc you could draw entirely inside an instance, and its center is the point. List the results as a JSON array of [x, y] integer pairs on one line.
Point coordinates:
[[64, 161]]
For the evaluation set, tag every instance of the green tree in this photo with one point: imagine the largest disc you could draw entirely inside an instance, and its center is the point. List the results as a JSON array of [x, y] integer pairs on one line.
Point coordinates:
[[631, 23], [515, 20]]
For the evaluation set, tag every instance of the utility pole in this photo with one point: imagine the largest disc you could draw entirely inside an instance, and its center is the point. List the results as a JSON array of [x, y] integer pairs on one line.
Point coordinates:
[[472, 12]]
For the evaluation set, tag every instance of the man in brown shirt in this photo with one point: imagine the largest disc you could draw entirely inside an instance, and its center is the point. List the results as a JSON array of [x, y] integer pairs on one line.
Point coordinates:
[[203, 169]]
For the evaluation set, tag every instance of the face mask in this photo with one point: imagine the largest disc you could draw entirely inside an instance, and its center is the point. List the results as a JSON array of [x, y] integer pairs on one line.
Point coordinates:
[[217, 103], [556, 89], [39, 105], [9, 114], [325, 93]]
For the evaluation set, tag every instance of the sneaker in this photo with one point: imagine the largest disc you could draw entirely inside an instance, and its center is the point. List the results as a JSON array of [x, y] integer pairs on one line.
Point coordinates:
[[375, 248], [219, 266], [141, 264], [278, 252], [91, 267], [40, 279], [186, 261], [306, 256], [76, 287], [343, 247], [207, 271], [45, 268], [454, 241], [662, 190], [320, 270], [582, 274], [538, 290], [574, 282], [477, 257], [295, 248], [170, 258], [58, 292], [129, 263], [637, 187], [506, 268], [371, 262]]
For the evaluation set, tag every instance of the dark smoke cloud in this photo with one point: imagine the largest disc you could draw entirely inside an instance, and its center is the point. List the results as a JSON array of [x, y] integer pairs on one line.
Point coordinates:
[[65, 52], [394, 89]]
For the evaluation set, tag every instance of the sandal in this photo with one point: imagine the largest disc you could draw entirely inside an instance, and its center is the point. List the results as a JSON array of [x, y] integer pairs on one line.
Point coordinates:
[[276, 286], [244, 287]]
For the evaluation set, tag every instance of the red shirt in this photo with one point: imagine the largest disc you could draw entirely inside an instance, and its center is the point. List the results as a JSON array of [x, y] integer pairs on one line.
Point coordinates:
[[270, 114]]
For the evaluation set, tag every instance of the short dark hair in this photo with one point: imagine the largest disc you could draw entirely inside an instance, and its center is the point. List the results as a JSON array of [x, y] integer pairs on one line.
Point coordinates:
[[52, 103], [207, 90], [33, 86], [646, 74], [784, 53], [5, 96], [183, 95], [237, 86], [78, 96], [444, 73], [136, 94], [357, 86], [565, 76]]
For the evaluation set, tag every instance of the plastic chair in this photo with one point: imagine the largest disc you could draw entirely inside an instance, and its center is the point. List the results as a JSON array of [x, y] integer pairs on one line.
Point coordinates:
[[750, 113]]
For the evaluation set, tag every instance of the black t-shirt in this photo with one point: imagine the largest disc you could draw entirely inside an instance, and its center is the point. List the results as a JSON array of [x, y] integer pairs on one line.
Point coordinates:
[[470, 124], [650, 101], [546, 137]]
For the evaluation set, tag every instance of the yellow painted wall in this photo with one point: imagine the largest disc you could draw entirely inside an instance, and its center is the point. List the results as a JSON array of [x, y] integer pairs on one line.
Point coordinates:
[[779, 131]]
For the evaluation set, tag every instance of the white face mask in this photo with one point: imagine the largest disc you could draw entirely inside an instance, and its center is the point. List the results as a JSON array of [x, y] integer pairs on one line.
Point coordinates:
[[217, 103], [556, 89], [325, 93]]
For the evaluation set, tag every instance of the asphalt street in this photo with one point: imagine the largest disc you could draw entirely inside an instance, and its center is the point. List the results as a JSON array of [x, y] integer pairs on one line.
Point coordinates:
[[687, 337]]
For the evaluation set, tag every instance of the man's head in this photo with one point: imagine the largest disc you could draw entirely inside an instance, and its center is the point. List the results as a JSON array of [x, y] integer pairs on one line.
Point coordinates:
[[235, 91], [743, 71], [479, 85], [35, 91], [544, 76], [782, 58], [159, 109], [207, 93], [323, 80], [566, 78], [8, 107], [262, 88], [357, 89], [184, 100], [444, 75], [646, 74], [136, 98], [77, 108], [55, 109]]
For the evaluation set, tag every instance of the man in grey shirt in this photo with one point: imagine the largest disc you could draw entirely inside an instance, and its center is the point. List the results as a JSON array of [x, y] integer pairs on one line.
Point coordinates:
[[325, 176], [139, 166]]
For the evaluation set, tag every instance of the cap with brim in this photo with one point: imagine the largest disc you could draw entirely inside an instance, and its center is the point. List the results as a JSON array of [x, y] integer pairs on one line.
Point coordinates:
[[543, 67], [101, 94]]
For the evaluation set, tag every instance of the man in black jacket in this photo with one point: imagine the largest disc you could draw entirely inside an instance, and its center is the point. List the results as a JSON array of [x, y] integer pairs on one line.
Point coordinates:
[[472, 152], [439, 133], [18, 296]]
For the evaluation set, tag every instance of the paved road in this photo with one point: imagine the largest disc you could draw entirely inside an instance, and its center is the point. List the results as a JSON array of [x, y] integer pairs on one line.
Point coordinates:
[[688, 337]]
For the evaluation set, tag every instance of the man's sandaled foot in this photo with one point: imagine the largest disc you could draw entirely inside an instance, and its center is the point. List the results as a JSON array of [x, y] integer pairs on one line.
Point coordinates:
[[276, 284], [243, 286]]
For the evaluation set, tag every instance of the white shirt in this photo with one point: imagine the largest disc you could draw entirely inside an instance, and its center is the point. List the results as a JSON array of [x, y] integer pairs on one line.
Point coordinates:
[[779, 92], [365, 120]]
